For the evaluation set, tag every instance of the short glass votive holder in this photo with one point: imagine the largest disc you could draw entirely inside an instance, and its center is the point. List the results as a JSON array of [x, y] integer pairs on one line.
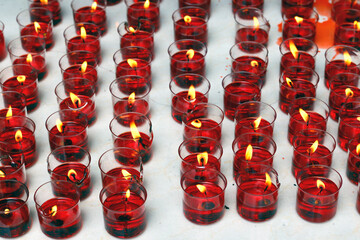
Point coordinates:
[[12, 103], [51, 5], [12, 169], [138, 9]]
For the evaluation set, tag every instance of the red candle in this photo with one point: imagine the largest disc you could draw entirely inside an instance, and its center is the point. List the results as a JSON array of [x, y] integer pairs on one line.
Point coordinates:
[[90, 11], [143, 9], [251, 25], [296, 82], [257, 194], [341, 59], [237, 92], [3, 52], [204, 4], [297, 52], [205, 120], [347, 31], [254, 116], [349, 124], [124, 208], [36, 61], [339, 95], [11, 169], [187, 56], [203, 201], [85, 37], [141, 35], [312, 147], [238, 4], [57, 205], [289, 6], [191, 23], [300, 24], [120, 163], [340, 6], [12, 103], [14, 212], [318, 189], [52, 5], [353, 162]]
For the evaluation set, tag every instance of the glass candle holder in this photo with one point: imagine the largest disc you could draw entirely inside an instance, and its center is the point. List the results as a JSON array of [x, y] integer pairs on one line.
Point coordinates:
[[312, 147], [191, 23], [37, 22], [254, 116], [15, 218], [120, 163], [204, 4], [140, 34], [67, 127], [143, 9], [57, 206], [205, 120], [17, 139], [339, 6], [257, 193], [203, 201], [52, 5], [347, 28], [307, 113], [12, 169], [129, 94], [238, 4], [318, 189], [29, 50], [123, 204], [133, 130], [291, 6], [353, 167], [237, 92], [12, 103], [251, 25], [341, 59], [349, 124], [187, 56], [3, 52], [297, 52], [63, 165], [187, 90], [128, 62], [200, 153], [113, 2], [296, 82], [83, 37], [77, 94]]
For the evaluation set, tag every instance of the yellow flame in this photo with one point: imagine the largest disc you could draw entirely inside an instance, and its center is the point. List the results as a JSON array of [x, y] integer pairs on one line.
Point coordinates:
[[267, 180], [18, 136], [132, 63], [202, 158], [21, 78], [2, 174], [9, 112], [320, 184], [299, 20], [256, 23], [37, 27], [358, 149], [93, 6], [83, 33], [187, 19], [347, 58], [254, 63], [248, 153], [6, 211], [190, 54], [44, 1], [357, 25], [72, 174], [201, 188], [75, 100], [126, 174], [304, 115], [131, 98], [196, 123], [134, 131], [257, 123], [349, 92], [84, 66], [289, 82], [191, 93], [53, 210], [313, 147], [131, 29], [358, 118], [59, 125], [293, 49], [127, 194], [29, 58], [147, 4]]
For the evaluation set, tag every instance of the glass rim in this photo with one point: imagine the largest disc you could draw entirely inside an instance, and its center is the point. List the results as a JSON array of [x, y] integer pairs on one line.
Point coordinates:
[[26, 190], [204, 80], [20, 96], [302, 39], [18, 39], [119, 52], [241, 136], [125, 23], [82, 115], [102, 4], [27, 119], [206, 105], [179, 10], [334, 47], [48, 159], [173, 44], [63, 84], [137, 96], [325, 105], [314, 15], [313, 73], [129, 3], [253, 93], [236, 45], [185, 142], [73, 27], [258, 103], [341, 110], [140, 115], [257, 10], [21, 165], [21, 13], [66, 56]]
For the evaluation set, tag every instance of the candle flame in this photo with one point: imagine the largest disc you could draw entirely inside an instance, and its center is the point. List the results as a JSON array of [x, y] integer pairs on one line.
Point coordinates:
[[248, 153], [320, 184], [44, 2], [29, 58], [37, 27], [59, 125], [201, 188], [358, 118], [126, 174], [267, 180], [9, 112], [21, 79], [134, 131], [196, 123], [132, 63], [147, 4], [347, 58], [256, 23], [131, 99], [289, 82], [293, 49], [254, 63], [313, 147], [299, 20], [127, 194], [75, 100], [358, 149], [191, 93], [2, 174], [357, 25], [202, 158], [18, 136], [93, 6], [131, 29], [6, 211], [53, 210], [190, 54], [257, 123], [349, 93], [83, 33], [304, 115], [187, 19], [84, 66], [72, 174]]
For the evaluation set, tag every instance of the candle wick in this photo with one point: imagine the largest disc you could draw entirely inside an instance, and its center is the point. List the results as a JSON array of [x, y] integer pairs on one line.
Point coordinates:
[[298, 59], [308, 121], [321, 189], [266, 188]]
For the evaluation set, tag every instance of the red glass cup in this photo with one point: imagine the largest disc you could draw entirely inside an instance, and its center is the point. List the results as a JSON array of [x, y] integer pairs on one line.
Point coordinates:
[[204, 4], [140, 9], [254, 116], [300, 23], [238, 4], [318, 190], [133, 130], [90, 11], [129, 94], [339, 6], [250, 149], [344, 88], [200, 153], [257, 193], [3, 52], [187, 56], [67, 127], [187, 90], [128, 62], [15, 218], [307, 113], [290, 6], [297, 52], [120, 163], [123, 203], [80, 64], [191, 23], [312, 147], [251, 25], [204, 195], [37, 22], [77, 94], [250, 57], [237, 92], [75, 170], [347, 28], [12, 103], [349, 124], [205, 120], [52, 5], [341, 59], [17, 139], [140, 34], [12, 169], [296, 82], [84, 37], [57, 206], [113, 2], [353, 162], [20, 54]]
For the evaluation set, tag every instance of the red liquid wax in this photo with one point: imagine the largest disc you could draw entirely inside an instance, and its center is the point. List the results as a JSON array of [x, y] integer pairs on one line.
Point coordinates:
[[116, 173], [338, 98], [142, 69], [340, 5], [137, 11], [353, 165], [139, 38], [73, 134], [181, 105], [251, 64], [87, 15], [196, 30], [53, 6], [304, 59], [288, 6], [249, 34], [139, 105], [247, 126], [13, 170], [38, 63], [87, 106], [306, 29], [45, 31], [209, 128], [180, 64], [75, 72], [3, 51], [347, 34], [338, 66], [90, 43], [237, 4], [191, 162], [17, 222], [15, 112], [204, 4], [349, 127]]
